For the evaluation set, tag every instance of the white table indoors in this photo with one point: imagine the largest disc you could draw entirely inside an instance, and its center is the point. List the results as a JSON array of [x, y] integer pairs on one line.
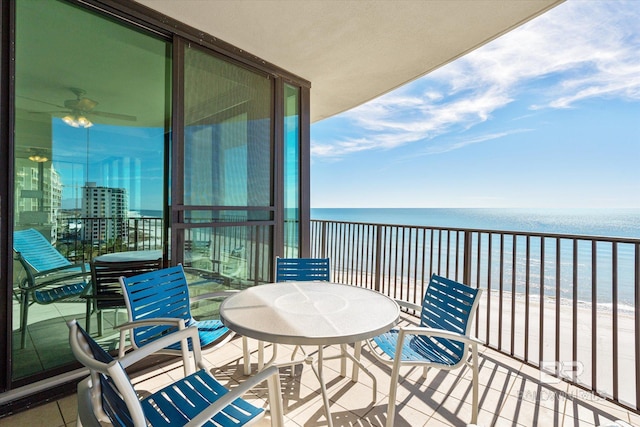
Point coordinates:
[[312, 313]]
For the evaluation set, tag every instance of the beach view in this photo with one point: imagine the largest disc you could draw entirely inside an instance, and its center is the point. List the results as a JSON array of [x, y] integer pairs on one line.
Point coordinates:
[[323, 213], [559, 285]]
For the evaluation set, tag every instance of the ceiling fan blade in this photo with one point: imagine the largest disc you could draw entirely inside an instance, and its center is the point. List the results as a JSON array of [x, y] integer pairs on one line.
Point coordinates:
[[42, 102], [81, 106], [51, 113], [113, 115]]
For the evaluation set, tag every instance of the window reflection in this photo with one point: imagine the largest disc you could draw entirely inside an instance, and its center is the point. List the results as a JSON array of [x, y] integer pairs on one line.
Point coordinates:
[[235, 256], [89, 156], [227, 133]]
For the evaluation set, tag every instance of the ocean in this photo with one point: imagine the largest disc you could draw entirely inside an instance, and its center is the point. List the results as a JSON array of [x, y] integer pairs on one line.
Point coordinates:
[[590, 222], [621, 223]]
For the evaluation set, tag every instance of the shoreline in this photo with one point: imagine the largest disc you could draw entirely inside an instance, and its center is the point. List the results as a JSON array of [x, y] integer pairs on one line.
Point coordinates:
[[574, 353], [607, 307]]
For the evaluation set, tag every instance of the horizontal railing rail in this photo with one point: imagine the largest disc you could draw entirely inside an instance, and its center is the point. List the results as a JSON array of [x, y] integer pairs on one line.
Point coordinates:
[[567, 304], [81, 239]]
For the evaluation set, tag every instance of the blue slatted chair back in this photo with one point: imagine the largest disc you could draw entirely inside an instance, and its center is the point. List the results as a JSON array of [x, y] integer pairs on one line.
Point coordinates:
[[447, 305], [160, 293], [111, 400], [37, 251], [302, 269]]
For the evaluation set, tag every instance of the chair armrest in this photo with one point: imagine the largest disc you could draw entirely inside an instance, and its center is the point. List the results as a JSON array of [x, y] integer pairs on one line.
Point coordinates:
[[151, 322], [82, 267], [440, 333], [211, 295], [408, 305], [159, 344], [275, 398], [178, 323], [42, 278]]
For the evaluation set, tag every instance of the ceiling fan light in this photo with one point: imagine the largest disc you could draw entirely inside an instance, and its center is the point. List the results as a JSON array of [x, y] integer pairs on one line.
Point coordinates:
[[38, 158], [77, 121], [83, 122], [71, 121]]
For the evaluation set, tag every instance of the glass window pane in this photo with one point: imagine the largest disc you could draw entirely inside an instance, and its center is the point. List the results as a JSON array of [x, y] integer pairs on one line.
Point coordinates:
[[291, 171], [90, 135], [227, 133], [232, 256]]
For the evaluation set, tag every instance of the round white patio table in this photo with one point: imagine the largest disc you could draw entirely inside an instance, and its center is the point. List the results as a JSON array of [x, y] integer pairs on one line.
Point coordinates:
[[128, 256], [311, 313]]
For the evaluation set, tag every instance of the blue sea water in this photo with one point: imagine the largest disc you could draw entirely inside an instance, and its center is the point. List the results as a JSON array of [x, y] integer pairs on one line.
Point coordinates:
[[622, 223], [591, 222]]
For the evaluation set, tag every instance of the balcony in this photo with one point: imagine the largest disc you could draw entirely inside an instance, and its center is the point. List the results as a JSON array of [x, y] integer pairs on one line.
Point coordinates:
[[543, 362], [511, 393]]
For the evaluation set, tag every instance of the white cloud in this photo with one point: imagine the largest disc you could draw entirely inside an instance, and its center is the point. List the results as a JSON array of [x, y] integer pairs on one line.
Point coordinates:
[[582, 49], [460, 143]]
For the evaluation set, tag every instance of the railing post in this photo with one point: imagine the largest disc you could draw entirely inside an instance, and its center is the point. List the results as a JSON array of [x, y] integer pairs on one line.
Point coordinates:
[[378, 261], [466, 269], [135, 234], [323, 240]]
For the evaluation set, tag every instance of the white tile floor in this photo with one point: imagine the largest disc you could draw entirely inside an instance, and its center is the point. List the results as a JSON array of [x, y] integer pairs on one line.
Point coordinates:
[[510, 395]]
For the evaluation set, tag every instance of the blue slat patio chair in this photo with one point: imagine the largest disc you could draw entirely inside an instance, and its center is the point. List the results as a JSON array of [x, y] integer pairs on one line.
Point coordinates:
[[442, 340], [49, 276], [302, 269], [291, 270], [158, 303], [108, 397]]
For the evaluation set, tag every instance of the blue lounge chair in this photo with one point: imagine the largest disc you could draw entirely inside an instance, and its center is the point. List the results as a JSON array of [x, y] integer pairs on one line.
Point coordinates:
[[442, 340], [108, 397], [158, 303], [49, 276]]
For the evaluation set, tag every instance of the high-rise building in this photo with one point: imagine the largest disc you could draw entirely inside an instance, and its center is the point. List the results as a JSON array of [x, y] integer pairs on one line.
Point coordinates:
[[40, 196], [105, 211]]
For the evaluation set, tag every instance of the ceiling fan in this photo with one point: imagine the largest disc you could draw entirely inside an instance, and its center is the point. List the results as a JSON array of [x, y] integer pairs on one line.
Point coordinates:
[[77, 110]]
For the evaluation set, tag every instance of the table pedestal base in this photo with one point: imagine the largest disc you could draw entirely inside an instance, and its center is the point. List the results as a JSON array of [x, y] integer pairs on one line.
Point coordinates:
[[315, 360]]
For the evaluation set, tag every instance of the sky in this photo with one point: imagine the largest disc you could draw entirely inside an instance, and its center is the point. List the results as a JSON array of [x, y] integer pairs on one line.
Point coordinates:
[[546, 116]]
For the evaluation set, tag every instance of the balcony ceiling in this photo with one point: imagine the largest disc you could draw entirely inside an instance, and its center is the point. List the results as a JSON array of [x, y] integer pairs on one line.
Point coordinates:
[[354, 50]]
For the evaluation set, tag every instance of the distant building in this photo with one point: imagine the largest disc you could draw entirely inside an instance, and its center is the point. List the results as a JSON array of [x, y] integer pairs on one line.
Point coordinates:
[[40, 196], [105, 211]]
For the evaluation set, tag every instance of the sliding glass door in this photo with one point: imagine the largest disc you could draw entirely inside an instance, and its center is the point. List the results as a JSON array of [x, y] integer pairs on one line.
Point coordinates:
[[91, 131]]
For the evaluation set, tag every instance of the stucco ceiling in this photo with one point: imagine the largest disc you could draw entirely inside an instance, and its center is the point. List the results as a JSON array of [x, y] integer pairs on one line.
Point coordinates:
[[353, 50]]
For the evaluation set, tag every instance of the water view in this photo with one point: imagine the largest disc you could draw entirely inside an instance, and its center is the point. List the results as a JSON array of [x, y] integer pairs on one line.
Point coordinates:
[[591, 222], [558, 254]]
